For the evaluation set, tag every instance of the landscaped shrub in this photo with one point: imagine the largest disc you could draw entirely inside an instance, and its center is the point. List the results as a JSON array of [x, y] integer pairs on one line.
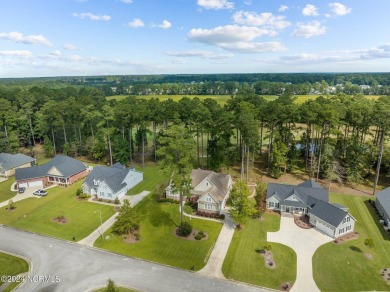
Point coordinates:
[[83, 196], [116, 201], [100, 200], [79, 191], [198, 237], [222, 216], [184, 229], [201, 233]]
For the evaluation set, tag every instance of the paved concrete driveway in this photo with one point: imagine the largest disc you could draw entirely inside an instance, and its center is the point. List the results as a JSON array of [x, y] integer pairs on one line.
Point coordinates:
[[82, 268], [28, 193], [304, 242]]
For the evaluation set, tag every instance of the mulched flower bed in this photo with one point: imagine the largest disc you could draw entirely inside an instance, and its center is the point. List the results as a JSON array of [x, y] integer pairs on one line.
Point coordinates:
[[268, 259], [194, 232], [385, 274], [60, 220], [285, 286], [346, 237], [131, 238], [302, 222]]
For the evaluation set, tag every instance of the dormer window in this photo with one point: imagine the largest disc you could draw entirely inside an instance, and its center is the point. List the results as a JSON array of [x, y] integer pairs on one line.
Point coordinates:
[[95, 182], [208, 199]]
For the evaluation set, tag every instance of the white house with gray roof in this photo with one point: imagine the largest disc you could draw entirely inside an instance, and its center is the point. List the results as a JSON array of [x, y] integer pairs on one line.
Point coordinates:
[[111, 182], [382, 203], [10, 162], [310, 199], [210, 189]]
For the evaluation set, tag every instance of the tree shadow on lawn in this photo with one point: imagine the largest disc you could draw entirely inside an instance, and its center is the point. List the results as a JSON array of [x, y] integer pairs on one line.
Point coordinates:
[[159, 217], [355, 248], [376, 218]]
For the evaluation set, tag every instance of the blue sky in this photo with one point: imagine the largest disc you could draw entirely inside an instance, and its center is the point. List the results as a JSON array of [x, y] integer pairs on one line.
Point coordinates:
[[99, 37]]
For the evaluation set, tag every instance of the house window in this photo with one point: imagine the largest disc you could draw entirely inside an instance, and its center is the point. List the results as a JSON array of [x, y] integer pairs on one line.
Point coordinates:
[[208, 206], [341, 230], [349, 227], [208, 199], [102, 194], [271, 204], [109, 195]]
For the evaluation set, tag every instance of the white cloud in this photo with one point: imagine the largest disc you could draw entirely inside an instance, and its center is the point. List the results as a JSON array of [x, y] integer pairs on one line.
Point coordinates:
[[56, 54], [127, 1], [308, 30], [70, 47], [267, 20], [283, 8], [16, 53], [177, 61], [191, 53], [18, 37], [165, 24], [216, 4], [92, 16], [235, 38], [338, 9], [310, 10], [136, 23]]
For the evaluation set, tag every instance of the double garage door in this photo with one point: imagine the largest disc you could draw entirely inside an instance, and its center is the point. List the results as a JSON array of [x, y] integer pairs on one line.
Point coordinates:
[[324, 228], [37, 183]]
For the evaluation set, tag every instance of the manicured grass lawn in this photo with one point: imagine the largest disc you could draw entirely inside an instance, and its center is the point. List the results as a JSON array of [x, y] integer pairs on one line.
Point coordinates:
[[158, 242], [243, 263], [11, 266], [36, 215], [344, 267], [152, 177], [5, 189]]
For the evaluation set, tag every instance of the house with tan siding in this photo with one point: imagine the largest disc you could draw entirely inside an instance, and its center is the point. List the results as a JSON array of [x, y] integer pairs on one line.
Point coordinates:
[[10, 162]]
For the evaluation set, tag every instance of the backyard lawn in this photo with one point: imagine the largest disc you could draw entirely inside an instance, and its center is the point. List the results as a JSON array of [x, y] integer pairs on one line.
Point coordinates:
[[5, 189], [158, 242], [11, 266], [36, 214], [345, 267], [243, 263]]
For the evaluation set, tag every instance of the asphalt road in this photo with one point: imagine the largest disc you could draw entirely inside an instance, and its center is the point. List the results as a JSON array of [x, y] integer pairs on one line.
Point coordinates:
[[81, 268]]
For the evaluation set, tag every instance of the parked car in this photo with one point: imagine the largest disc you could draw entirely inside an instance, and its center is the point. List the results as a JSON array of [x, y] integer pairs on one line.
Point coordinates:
[[41, 193], [21, 190]]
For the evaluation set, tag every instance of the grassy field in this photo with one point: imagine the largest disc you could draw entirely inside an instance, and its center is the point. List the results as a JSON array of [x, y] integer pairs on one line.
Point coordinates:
[[5, 189], [36, 215], [152, 177], [345, 267], [11, 266], [158, 242], [242, 263]]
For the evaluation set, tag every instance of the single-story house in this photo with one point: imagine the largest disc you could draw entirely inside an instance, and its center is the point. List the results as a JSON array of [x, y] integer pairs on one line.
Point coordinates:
[[10, 162], [110, 182], [210, 189], [311, 199], [61, 170], [382, 203]]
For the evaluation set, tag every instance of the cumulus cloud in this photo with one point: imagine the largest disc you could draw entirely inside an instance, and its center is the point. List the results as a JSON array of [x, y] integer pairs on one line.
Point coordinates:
[[283, 8], [70, 47], [308, 30], [215, 4], [338, 9], [136, 23], [17, 37], [310, 10], [91, 16], [267, 20], [16, 53], [165, 24]]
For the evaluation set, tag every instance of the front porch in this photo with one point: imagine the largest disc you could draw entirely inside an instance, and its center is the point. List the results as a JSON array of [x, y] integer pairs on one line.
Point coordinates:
[[58, 181], [293, 210]]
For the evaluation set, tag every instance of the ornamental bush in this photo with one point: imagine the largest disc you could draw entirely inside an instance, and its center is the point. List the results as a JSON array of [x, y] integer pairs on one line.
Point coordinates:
[[184, 229]]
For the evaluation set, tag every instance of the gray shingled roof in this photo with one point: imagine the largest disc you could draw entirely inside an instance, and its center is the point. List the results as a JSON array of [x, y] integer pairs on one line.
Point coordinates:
[[302, 191], [384, 198], [310, 183], [328, 212], [113, 176], [219, 181], [66, 165], [10, 161]]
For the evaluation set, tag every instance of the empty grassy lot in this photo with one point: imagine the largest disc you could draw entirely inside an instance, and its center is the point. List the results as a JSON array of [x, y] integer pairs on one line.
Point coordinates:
[[5, 189], [243, 263], [158, 242], [345, 267], [36, 214], [11, 266]]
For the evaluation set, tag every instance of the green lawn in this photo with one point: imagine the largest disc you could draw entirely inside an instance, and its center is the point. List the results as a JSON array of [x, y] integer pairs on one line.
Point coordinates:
[[36, 215], [11, 266], [158, 242], [344, 267], [5, 189], [242, 263], [152, 177]]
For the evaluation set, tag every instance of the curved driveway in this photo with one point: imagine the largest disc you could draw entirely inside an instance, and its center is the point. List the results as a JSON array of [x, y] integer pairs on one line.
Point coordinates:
[[81, 268]]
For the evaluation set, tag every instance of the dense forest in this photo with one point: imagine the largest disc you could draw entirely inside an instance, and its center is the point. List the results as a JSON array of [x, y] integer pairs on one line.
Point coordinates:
[[337, 137]]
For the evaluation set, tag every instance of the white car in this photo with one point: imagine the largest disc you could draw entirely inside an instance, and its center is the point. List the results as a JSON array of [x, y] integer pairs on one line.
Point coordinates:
[[40, 193]]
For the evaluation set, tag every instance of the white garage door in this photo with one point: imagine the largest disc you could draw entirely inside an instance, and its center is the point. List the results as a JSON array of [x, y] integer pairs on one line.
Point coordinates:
[[324, 228], [37, 183], [21, 185]]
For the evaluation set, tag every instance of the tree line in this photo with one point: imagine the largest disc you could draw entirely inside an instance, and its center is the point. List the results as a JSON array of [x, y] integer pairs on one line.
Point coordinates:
[[339, 137]]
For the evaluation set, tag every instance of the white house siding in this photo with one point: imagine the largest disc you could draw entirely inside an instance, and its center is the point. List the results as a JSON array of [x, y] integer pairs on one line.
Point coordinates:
[[214, 208], [203, 186], [322, 225], [347, 225], [104, 192], [382, 212], [133, 178], [274, 200]]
